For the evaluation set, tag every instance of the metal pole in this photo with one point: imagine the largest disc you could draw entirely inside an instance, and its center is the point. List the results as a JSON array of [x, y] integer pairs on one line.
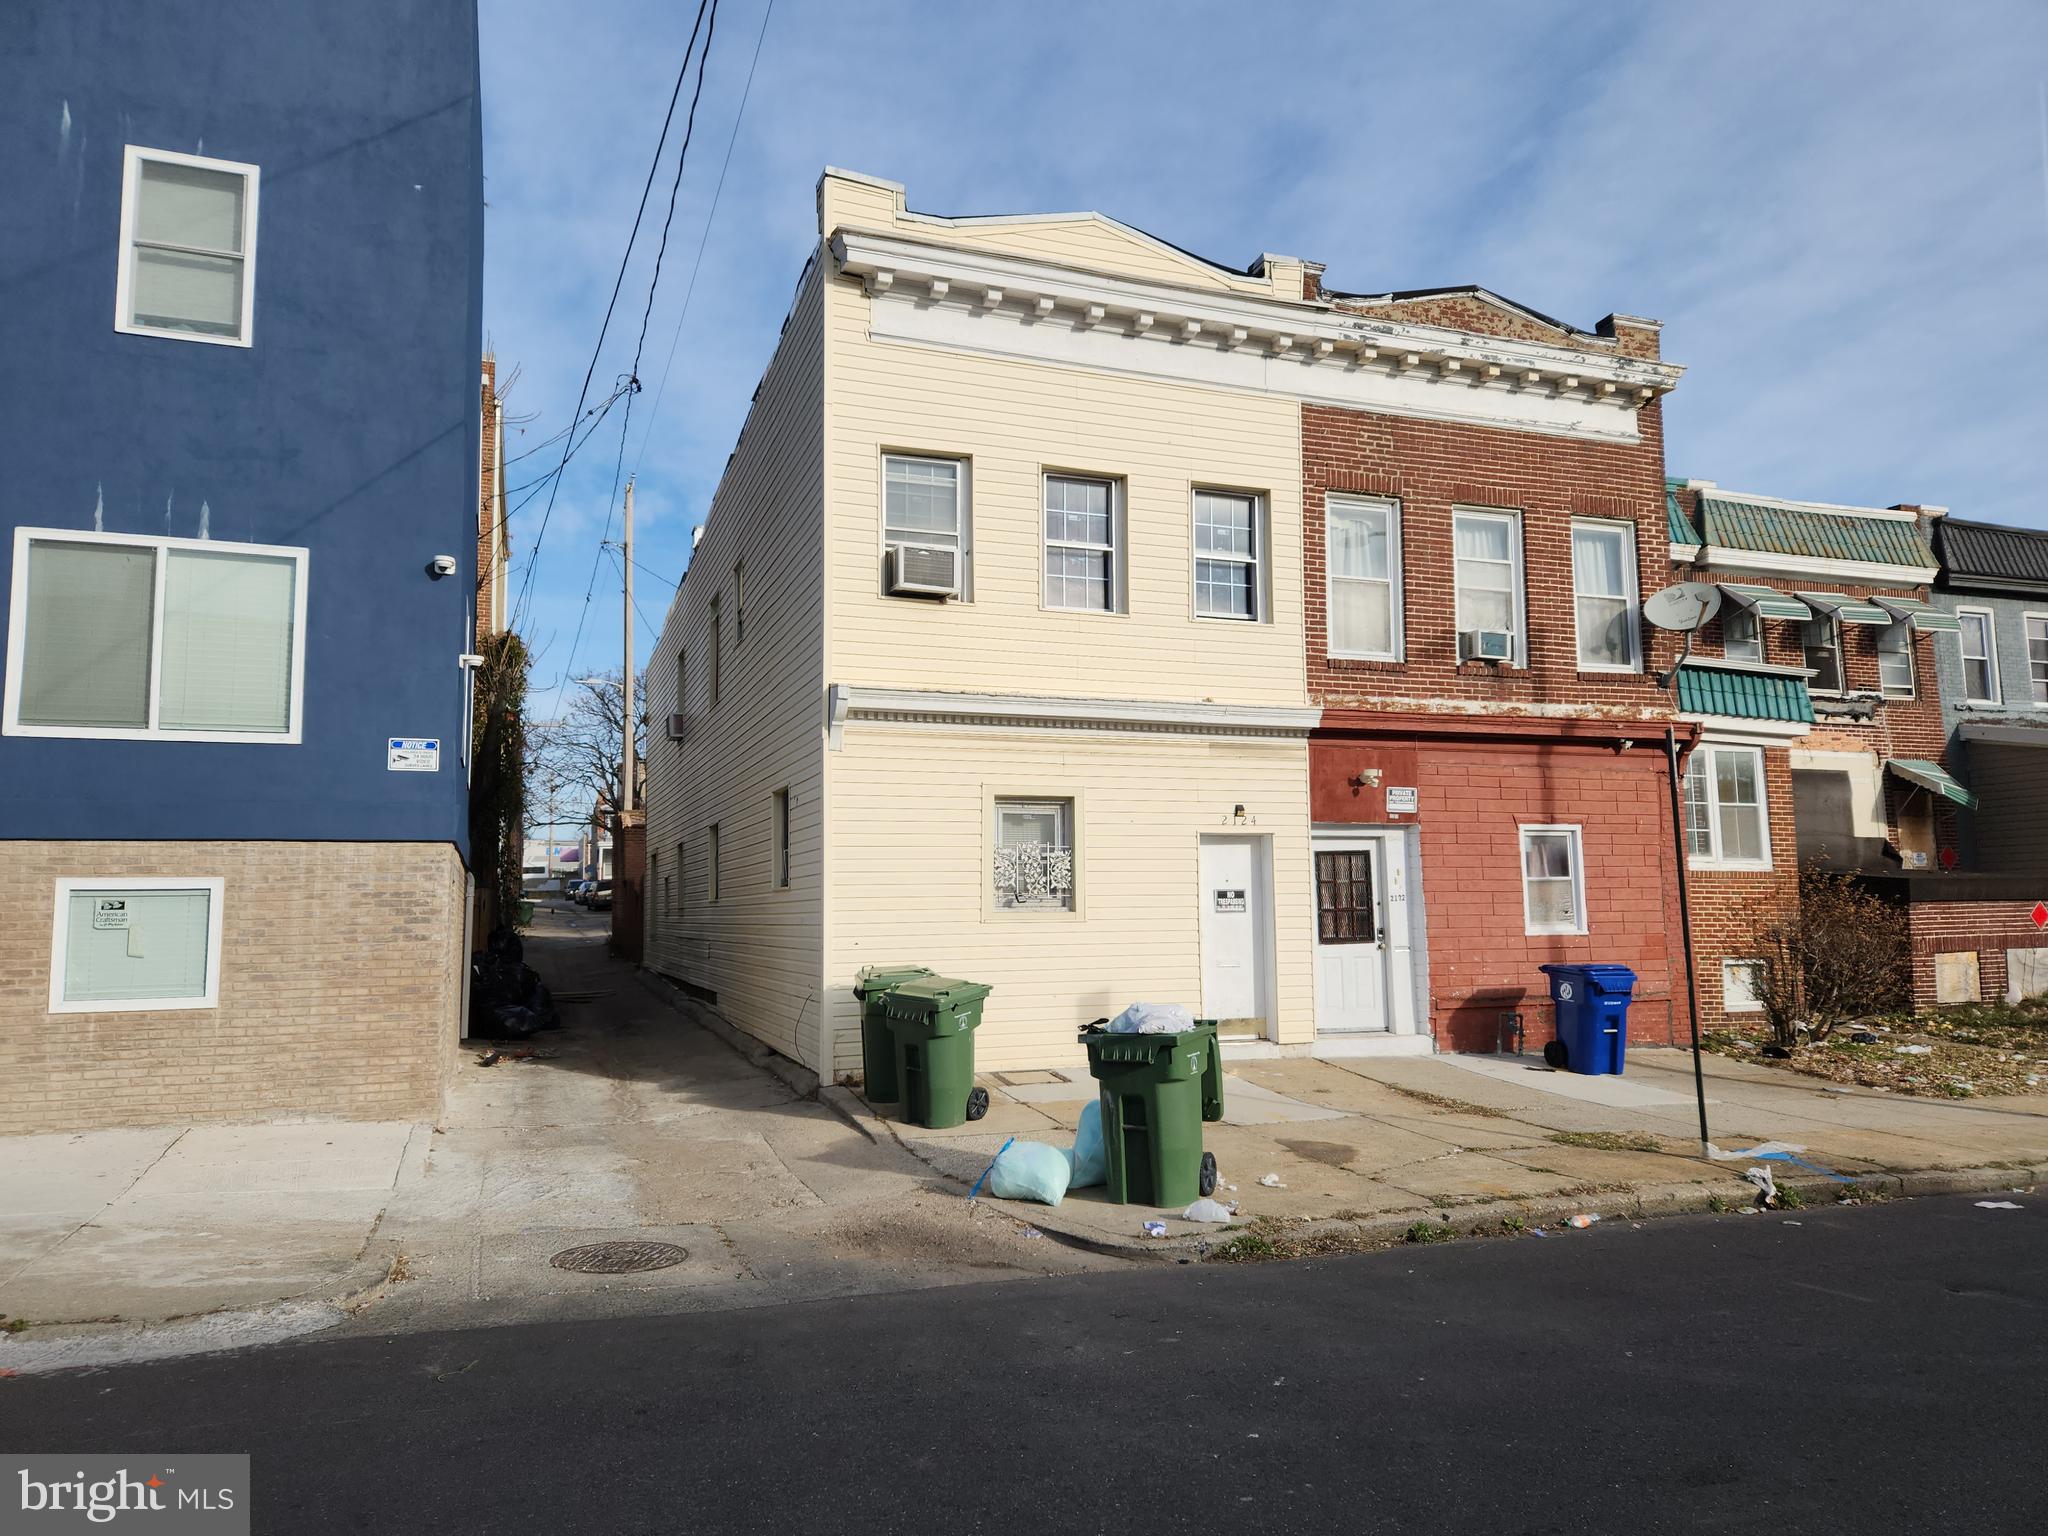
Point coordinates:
[[1692, 990], [626, 789]]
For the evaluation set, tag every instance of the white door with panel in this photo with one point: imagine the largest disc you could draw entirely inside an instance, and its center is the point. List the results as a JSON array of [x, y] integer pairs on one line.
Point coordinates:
[[1237, 916], [1362, 970]]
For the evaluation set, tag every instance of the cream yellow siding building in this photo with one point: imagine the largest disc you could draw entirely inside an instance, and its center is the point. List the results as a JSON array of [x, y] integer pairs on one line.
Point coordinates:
[[990, 658]]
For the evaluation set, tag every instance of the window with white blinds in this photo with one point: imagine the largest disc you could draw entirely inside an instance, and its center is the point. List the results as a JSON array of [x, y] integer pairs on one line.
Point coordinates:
[[135, 638], [136, 944], [188, 247]]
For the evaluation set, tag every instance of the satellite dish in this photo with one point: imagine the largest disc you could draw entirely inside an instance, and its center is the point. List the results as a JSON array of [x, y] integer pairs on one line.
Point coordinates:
[[1684, 606]]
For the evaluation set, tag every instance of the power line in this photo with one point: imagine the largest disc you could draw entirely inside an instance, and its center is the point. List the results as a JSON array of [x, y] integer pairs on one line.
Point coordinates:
[[654, 410], [618, 284]]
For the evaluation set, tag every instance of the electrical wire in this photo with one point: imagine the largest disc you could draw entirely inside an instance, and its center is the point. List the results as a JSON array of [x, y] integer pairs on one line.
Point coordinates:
[[618, 285]]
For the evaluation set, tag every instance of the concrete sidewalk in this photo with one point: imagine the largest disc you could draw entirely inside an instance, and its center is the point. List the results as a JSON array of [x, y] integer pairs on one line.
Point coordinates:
[[639, 1122], [1375, 1145]]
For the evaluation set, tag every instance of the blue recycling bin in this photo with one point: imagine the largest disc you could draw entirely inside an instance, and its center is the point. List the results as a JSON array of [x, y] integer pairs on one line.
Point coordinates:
[[1591, 1002]]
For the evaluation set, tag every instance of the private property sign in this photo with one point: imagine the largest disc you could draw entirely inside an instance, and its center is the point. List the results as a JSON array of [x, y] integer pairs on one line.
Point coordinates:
[[413, 754]]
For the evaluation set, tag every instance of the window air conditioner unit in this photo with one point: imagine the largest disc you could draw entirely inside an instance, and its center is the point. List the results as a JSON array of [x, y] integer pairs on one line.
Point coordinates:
[[1489, 645], [924, 570], [675, 727]]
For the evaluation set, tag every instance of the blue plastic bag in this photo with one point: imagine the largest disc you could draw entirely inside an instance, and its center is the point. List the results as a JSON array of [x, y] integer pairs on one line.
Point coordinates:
[[1088, 1160], [1030, 1170]]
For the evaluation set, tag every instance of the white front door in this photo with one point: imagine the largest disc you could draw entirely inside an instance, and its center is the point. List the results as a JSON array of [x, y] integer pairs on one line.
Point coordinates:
[[1351, 935], [1236, 916]]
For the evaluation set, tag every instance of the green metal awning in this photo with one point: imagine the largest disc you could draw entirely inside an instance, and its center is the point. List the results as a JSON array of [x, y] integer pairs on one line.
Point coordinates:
[[1768, 602], [1743, 694], [1917, 770], [1850, 610], [1925, 617]]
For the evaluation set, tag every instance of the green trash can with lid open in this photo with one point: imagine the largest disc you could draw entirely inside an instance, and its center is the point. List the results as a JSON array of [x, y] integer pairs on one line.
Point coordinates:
[[933, 1020], [877, 1044], [1157, 1089]]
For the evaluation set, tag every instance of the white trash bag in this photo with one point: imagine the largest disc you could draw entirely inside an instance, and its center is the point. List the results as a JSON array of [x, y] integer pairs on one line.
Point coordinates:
[[1152, 1019]]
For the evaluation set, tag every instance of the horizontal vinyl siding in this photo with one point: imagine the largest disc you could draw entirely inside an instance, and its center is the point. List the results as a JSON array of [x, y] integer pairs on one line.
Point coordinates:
[[1093, 246], [757, 946], [909, 827], [1015, 421]]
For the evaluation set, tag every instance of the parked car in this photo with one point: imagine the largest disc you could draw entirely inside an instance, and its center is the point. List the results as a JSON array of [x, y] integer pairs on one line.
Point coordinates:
[[579, 892], [600, 899]]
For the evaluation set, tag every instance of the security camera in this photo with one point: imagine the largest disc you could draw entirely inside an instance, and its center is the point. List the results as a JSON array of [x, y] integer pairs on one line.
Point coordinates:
[[443, 565]]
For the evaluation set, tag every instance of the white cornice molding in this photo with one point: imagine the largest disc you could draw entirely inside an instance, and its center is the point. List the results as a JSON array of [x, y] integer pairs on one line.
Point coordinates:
[[1734, 730], [1824, 508], [932, 706], [1766, 562], [1246, 341]]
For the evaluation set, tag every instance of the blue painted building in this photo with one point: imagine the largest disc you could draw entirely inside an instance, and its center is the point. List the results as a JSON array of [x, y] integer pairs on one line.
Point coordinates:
[[241, 275]]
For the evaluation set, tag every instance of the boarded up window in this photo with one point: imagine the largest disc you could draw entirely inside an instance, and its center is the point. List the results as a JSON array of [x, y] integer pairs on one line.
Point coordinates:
[[1955, 977], [2026, 974], [1344, 905]]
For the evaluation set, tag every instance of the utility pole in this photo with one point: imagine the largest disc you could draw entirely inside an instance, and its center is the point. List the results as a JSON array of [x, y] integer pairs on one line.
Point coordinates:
[[626, 787]]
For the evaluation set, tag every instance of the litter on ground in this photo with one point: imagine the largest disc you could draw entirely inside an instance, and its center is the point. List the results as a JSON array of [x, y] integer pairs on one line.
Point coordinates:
[[1583, 1220], [1155, 1229], [1209, 1210], [1999, 1205], [1270, 1181]]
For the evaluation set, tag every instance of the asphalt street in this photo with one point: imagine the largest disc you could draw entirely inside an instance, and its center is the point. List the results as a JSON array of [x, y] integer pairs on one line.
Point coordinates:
[[1822, 1370]]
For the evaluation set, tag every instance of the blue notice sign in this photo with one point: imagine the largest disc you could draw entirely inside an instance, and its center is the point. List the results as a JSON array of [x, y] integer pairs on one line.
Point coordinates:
[[413, 754]]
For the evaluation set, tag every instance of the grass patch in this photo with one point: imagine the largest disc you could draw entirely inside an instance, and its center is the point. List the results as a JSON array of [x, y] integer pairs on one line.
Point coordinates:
[[1720, 1205], [1449, 1106], [1246, 1248], [1428, 1232], [17, 1325], [1607, 1141], [1790, 1199]]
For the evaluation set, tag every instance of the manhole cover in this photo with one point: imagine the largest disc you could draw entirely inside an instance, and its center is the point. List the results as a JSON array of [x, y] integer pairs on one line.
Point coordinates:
[[619, 1258]]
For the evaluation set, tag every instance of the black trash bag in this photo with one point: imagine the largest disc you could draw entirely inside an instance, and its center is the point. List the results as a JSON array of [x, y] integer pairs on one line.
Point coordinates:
[[503, 941], [511, 1021], [542, 1002]]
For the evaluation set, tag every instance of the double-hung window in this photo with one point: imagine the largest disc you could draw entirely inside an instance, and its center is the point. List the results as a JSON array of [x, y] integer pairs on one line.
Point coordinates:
[[112, 635], [711, 862], [1980, 655], [1726, 824], [1823, 645], [1081, 544], [1488, 577], [1034, 855], [2037, 657], [1228, 556], [780, 833], [1364, 556], [124, 945], [1553, 881], [924, 502], [1895, 660], [188, 248], [1742, 634], [1604, 596], [715, 665]]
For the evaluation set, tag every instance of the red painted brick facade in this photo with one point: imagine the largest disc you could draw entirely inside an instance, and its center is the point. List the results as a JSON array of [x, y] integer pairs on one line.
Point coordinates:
[[1490, 749]]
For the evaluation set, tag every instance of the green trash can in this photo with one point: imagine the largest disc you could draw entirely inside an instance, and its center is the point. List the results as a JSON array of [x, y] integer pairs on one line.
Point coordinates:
[[1156, 1092], [933, 1019], [877, 1044]]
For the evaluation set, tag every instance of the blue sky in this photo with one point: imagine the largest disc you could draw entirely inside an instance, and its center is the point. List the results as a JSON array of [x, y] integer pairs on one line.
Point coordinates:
[[1840, 211]]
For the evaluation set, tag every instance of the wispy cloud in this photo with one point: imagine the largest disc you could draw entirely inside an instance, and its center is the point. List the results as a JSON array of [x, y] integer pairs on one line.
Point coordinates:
[[1836, 208]]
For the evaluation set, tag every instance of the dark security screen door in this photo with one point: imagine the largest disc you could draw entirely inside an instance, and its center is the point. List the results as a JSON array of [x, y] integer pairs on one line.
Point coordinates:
[[1344, 904]]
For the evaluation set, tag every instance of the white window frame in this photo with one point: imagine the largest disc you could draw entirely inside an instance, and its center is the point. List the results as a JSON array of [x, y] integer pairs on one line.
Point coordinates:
[[1714, 858], [2028, 619], [17, 639], [1114, 548], [1630, 594], [1833, 630], [1576, 840], [963, 512], [1989, 658], [1884, 685], [778, 838], [1750, 650], [1755, 1003], [1261, 606], [999, 798], [1392, 580], [1517, 601], [60, 939], [133, 160]]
